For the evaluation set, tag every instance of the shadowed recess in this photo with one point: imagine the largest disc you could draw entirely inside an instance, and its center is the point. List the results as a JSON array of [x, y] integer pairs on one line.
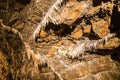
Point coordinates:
[[59, 30], [115, 21]]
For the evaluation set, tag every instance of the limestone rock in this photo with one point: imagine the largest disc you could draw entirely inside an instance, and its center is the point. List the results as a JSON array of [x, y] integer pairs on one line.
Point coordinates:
[[101, 28], [77, 33], [48, 58], [87, 29], [43, 34]]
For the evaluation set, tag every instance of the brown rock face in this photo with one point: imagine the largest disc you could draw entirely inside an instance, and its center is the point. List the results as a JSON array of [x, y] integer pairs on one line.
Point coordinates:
[[77, 33], [77, 40], [43, 34], [101, 28], [87, 29]]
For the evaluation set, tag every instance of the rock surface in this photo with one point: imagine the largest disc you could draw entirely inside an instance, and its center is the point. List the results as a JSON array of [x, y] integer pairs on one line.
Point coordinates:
[[83, 45]]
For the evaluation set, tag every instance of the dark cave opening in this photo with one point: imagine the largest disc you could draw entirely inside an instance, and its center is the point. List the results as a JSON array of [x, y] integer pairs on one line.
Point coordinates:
[[24, 2], [60, 30], [115, 21], [98, 2]]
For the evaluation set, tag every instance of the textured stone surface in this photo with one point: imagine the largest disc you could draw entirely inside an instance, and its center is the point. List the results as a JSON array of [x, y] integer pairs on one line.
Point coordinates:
[[49, 58], [87, 29], [77, 33], [100, 28]]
